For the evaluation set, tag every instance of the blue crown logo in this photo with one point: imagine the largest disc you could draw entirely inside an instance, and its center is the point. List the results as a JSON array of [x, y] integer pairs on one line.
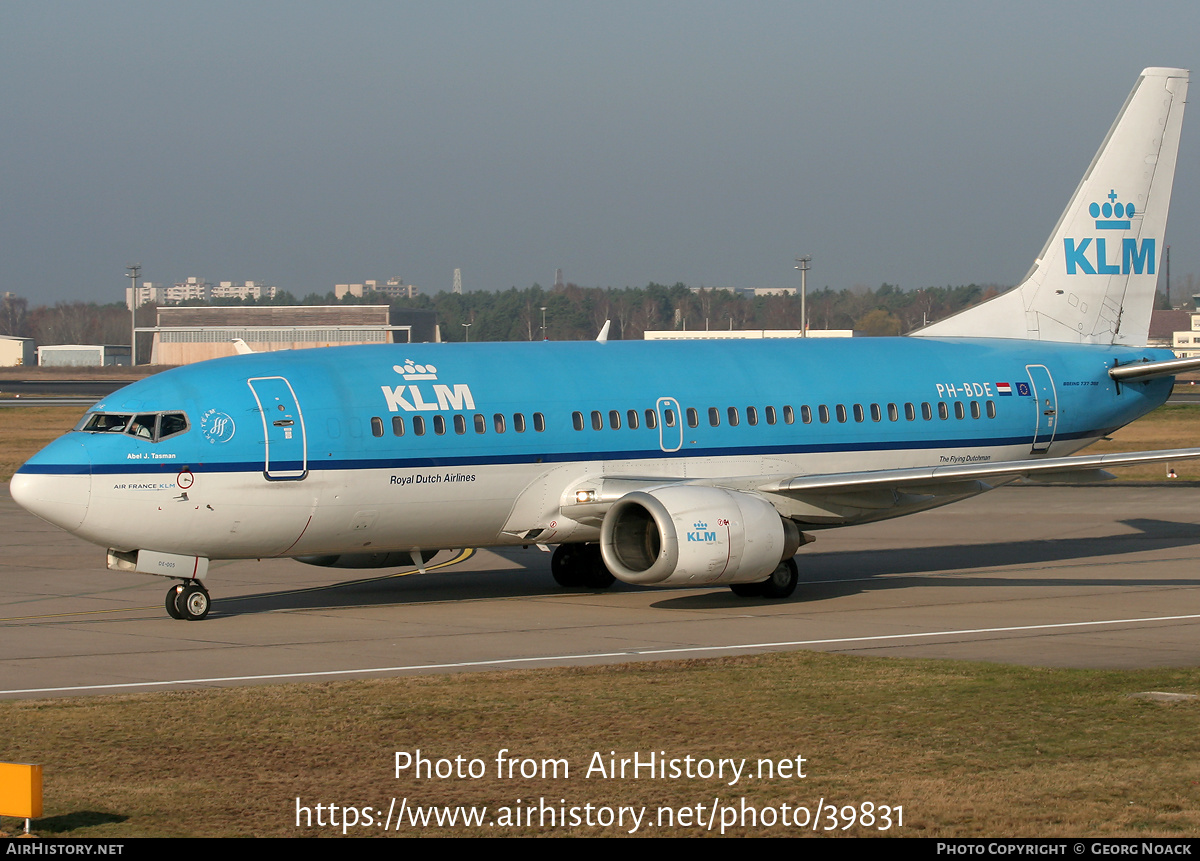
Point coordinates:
[[1116, 215], [700, 525]]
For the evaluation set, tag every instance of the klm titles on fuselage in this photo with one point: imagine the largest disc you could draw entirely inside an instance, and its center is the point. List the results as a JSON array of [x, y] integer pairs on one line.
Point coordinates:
[[412, 398]]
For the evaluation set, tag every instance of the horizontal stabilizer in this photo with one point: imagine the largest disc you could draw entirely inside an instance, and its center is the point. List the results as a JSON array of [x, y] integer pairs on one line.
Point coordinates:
[[1151, 370]]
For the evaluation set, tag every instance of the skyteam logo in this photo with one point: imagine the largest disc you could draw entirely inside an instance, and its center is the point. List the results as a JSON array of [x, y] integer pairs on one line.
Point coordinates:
[[1084, 257], [216, 426], [701, 534], [411, 398]]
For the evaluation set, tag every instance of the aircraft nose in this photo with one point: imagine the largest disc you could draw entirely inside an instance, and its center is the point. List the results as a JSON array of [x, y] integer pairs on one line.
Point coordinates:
[[56, 484]]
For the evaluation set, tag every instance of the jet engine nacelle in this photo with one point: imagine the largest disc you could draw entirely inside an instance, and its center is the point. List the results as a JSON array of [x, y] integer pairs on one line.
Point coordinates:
[[690, 535]]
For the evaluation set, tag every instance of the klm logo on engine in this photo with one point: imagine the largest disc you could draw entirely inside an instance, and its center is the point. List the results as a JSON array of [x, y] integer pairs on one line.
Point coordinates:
[[1093, 256], [701, 534], [413, 397]]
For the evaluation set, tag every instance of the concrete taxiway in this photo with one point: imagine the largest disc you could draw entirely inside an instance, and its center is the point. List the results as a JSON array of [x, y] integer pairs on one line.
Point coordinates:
[[1103, 576]]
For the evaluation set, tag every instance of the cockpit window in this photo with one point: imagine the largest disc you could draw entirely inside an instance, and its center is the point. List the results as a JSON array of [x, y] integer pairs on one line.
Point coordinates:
[[170, 424], [147, 426], [105, 423], [143, 426]]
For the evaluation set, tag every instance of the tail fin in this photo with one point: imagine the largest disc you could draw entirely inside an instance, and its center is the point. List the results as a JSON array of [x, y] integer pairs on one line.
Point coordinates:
[[1094, 281]]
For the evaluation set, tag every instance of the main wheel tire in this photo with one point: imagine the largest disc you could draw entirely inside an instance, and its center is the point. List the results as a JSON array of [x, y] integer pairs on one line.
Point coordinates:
[[782, 581], [747, 590], [565, 566], [594, 572], [580, 566], [172, 596], [193, 602]]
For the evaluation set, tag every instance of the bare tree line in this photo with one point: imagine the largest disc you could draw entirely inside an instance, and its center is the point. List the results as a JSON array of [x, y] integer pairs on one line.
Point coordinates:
[[570, 312]]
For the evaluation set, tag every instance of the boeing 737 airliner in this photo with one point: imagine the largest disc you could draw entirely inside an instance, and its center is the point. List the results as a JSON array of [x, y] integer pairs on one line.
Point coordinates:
[[662, 463]]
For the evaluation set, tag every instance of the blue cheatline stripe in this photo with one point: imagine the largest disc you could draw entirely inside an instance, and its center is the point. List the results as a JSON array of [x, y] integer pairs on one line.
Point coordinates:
[[323, 465]]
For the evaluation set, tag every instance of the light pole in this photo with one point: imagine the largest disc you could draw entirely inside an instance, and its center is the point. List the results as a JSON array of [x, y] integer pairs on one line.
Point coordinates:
[[132, 273], [543, 322], [803, 267], [467, 326]]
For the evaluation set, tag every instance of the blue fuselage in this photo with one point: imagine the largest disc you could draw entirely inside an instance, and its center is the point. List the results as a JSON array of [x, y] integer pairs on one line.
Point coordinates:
[[436, 445]]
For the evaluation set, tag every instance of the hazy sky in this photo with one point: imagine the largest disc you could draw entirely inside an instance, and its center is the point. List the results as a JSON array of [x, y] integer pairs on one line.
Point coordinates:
[[307, 143]]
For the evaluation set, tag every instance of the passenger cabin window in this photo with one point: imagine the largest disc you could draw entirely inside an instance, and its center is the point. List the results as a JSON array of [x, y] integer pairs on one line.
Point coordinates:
[[614, 419], [693, 417], [376, 426], [597, 420], [752, 415], [519, 421], [733, 416], [397, 426], [631, 418], [439, 425], [806, 414], [577, 420], [419, 425], [651, 419], [539, 423], [498, 422], [480, 423], [772, 417], [714, 417]]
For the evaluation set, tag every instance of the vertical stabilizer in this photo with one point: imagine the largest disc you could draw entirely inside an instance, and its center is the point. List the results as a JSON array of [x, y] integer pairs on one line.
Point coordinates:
[[1094, 281]]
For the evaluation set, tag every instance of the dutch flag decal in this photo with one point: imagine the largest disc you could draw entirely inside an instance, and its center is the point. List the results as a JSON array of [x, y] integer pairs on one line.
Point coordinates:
[[1004, 389]]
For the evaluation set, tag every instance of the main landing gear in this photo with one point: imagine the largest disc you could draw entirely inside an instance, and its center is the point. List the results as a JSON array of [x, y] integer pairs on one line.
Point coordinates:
[[188, 600], [780, 584], [577, 566]]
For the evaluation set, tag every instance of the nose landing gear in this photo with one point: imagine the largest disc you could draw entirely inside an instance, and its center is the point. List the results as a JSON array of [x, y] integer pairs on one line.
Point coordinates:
[[188, 600]]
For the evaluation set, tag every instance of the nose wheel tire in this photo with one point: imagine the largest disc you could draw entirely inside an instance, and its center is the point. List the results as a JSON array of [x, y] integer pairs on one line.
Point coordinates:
[[188, 601]]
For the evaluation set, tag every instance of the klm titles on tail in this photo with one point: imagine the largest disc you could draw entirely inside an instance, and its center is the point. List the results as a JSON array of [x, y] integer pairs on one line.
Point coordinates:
[[1134, 259]]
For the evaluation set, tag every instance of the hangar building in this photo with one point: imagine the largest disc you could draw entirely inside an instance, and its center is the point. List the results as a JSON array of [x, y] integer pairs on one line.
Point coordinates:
[[187, 334]]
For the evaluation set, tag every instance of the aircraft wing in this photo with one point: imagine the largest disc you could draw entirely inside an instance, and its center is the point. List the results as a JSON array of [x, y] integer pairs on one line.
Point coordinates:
[[952, 473]]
